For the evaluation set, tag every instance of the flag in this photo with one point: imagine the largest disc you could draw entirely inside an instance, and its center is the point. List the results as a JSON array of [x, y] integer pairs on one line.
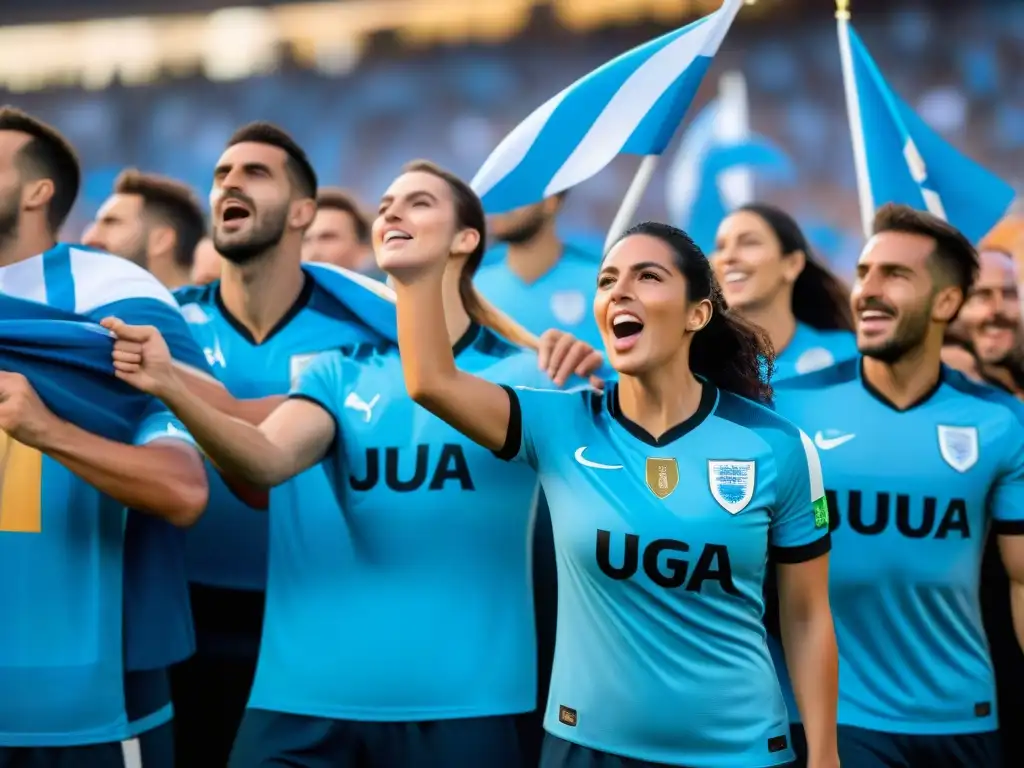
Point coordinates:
[[697, 194], [369, 300], [631, 105], [67, 360], [902, 160]]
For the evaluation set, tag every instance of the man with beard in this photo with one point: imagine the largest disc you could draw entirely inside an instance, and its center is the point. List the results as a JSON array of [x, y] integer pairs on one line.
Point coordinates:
[[87, 592], [153, 221], [537, 278], [259, 324], [991, 319], [919, 462]]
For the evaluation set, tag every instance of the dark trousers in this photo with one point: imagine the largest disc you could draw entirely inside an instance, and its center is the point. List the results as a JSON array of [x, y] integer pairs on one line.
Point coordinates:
[[211, 690]]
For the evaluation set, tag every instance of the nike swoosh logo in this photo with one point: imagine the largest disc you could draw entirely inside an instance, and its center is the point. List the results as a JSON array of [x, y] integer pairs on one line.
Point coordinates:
[[828, 443], [593, 464]]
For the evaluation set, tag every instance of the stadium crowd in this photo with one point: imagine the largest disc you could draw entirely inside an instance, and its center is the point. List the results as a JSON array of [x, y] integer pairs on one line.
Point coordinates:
[[361, 463]]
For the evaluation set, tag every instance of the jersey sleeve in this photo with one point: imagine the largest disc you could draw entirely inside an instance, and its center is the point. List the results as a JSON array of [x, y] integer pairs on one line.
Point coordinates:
[[800, 525], [536, 418], [1006, 500], [158, 423], [321, 383], [167, 319]]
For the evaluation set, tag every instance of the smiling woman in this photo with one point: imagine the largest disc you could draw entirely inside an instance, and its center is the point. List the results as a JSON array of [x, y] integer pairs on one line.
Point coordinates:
[[685, 413]]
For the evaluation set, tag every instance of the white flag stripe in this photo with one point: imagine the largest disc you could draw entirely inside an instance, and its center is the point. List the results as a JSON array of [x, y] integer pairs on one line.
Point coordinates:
[[634, 99], [556, 147], [514, 147]]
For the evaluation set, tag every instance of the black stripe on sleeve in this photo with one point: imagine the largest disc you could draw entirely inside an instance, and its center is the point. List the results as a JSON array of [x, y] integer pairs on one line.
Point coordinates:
[[514, 435], [804, 553], [325, 409], [1008, 527]]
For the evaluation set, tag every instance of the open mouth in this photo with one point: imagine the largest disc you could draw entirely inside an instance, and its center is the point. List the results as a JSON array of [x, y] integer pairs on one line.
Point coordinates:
[[734, 278], [234, 212], [396, 235], [626, 328]]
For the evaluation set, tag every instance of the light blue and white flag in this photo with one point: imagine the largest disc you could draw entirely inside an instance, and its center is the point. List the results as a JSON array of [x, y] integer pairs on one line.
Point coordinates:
[[713, 170], [631, 105], [900, 159]]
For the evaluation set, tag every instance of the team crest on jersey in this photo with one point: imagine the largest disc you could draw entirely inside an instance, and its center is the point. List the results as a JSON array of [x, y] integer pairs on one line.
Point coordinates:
[[298, 364], [568, 307], [662, 476], [959, 446], [194, 314], [814, 359], [732, 484]]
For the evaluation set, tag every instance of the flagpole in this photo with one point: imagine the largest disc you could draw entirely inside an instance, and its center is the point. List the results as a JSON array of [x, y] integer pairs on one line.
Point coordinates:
[[860, 154], [631, 201]]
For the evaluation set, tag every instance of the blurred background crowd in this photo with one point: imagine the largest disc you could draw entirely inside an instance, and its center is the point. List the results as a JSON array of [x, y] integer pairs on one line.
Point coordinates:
[[366, 85]]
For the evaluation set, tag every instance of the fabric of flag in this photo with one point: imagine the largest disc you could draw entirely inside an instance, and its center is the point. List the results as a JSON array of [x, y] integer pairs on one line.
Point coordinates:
[[68, 362], [909, 163], [696, 197], [368, 299], [631, 105]]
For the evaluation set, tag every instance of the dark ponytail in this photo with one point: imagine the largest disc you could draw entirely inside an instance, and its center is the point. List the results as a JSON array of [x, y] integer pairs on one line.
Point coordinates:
[[734, 355], [820, 299]]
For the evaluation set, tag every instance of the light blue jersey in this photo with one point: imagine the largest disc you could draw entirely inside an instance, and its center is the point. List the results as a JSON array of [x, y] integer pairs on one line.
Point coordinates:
[[415, 602], [64, 643], [227, 548], [661, 547], [913, 494], [811, 349], [561, 298]]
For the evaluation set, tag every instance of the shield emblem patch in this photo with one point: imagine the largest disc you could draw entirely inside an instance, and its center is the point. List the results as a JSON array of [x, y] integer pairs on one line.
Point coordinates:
[[732, 484], [959, 446], [662, 476], [298, 364], [568, 307]]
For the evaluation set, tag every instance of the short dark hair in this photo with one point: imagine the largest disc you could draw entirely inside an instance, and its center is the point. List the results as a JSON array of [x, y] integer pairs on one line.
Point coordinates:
[[48, 155], [953, 254], [335, 199], [298, 165], [173, 203]]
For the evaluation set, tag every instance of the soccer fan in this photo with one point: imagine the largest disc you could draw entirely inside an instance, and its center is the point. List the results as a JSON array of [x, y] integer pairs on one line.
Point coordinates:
[[920, 462], [661, 654], [66, 540], [991, 319], [153, 221], [205, 263], [259, 324], [340, 233], [959, 354], [536, 277], [770, 277], [443, 658]]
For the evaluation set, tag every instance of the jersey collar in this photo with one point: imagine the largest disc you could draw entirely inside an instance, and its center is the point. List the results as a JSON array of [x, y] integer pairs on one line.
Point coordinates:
[[889, 403], [466, 340], [300, 303], [708, 399]]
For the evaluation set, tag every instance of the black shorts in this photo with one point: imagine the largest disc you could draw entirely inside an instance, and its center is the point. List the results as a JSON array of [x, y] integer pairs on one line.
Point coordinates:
[[276, 740], [862, 748], [559, 753], [147, 701], [152, 749]]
